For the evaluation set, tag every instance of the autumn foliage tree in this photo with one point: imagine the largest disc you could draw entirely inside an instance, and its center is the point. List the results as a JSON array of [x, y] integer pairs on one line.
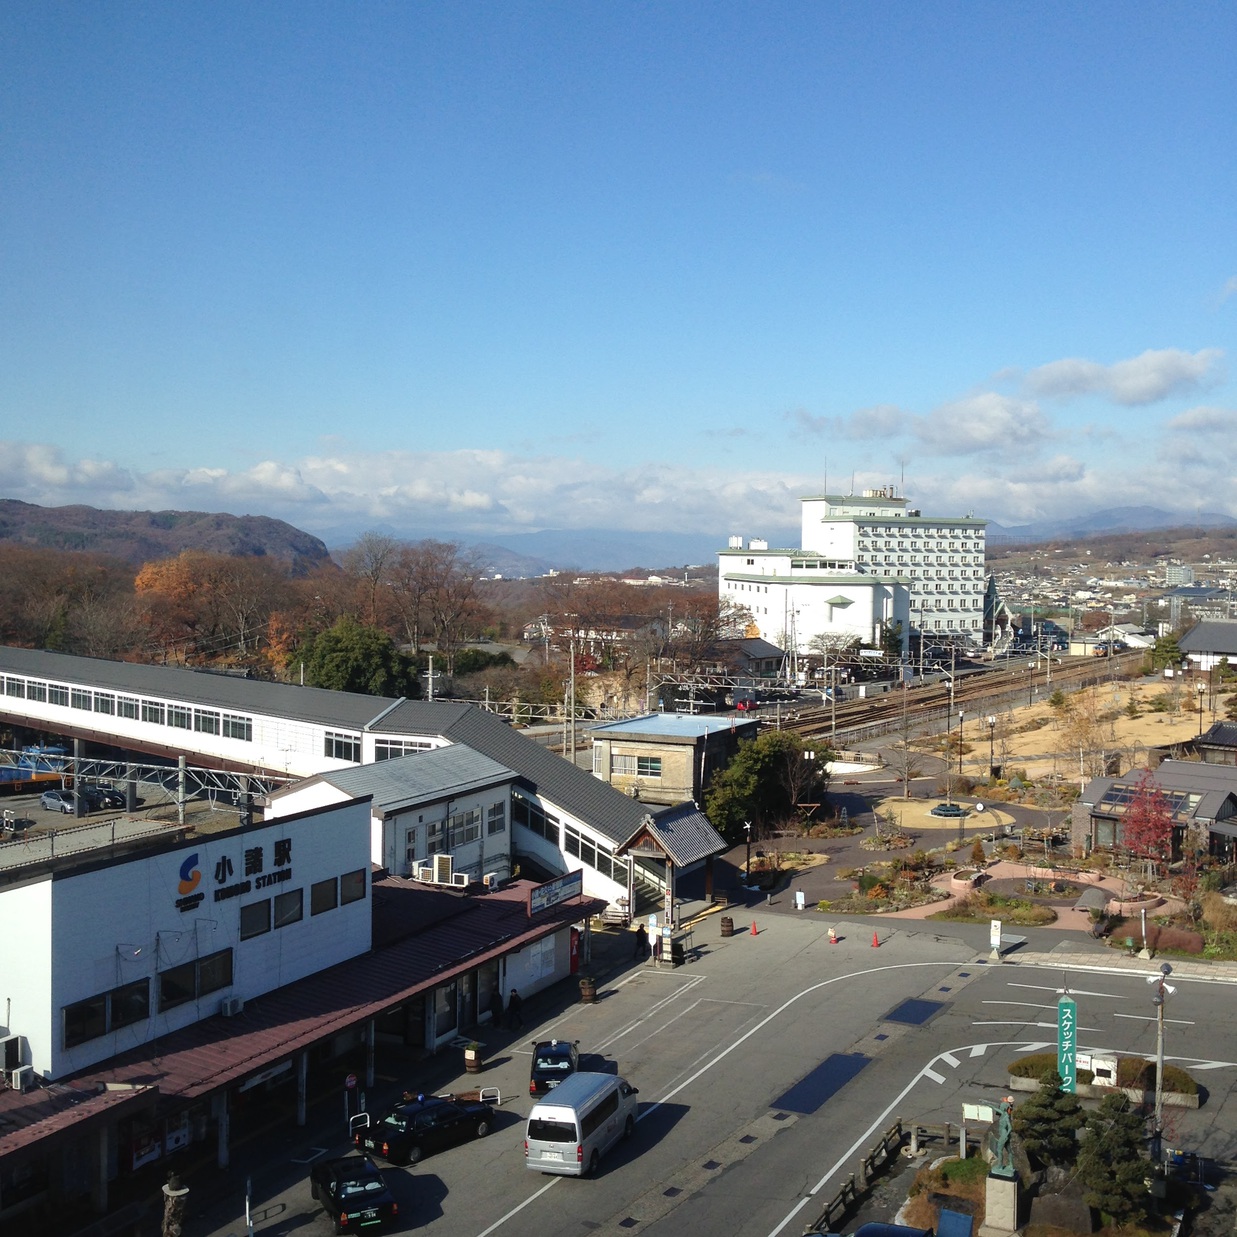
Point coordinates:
[[1147, 827]]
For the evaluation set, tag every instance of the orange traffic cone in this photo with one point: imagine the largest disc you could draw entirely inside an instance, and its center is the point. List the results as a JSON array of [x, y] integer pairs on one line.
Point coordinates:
[[833, 936], [876, 944], [754, 933]]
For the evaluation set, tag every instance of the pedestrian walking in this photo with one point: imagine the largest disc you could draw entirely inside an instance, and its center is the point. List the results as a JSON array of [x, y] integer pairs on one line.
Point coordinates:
[[642, 943], [515, 1011]]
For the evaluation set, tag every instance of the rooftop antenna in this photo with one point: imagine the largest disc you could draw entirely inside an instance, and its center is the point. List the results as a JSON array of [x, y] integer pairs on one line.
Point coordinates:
[[852, 482]]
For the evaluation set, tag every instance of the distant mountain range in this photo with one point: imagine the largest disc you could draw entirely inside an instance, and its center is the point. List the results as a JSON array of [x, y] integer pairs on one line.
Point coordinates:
[[1111, 520], [139, 536]]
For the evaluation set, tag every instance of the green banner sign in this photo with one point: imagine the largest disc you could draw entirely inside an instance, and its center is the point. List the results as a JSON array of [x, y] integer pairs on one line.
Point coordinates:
[[1067, 1043]]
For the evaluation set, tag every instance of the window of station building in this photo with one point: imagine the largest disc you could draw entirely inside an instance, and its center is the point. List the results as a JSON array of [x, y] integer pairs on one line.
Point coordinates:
[[129, 1003], [323, 896], [215, 972], [180, 717], [152, 711], [255, 919], [463, 827], [80, 698], [340, 746], [352, 887], [14, 687], [36, 690], [623, 766], [57, 694], [533, 816], [104, 702], [206, 721], [177, 986], [85, 1020], [392, 749], [127, 706], [648, 766], [237, 727], [436, 837], [289, 907], [496, 818]]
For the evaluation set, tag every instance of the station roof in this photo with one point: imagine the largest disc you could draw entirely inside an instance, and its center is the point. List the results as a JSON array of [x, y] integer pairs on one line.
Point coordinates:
[[670, 725]]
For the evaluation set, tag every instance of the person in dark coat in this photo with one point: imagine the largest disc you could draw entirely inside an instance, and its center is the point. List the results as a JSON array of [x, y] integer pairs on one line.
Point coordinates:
[[642, 943], [515, 1011]]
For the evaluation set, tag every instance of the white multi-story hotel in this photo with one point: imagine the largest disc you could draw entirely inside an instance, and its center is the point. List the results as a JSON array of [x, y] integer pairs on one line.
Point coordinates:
[[867, 562]]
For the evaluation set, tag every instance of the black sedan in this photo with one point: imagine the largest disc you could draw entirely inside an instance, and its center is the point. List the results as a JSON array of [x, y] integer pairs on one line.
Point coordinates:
[[353, 1193], [553, 1060], [422, 1125]]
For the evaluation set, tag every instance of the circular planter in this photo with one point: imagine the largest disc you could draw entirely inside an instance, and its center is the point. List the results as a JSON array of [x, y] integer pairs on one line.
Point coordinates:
[[588, 991], [966, 880], [727, 925], [472, 1061]]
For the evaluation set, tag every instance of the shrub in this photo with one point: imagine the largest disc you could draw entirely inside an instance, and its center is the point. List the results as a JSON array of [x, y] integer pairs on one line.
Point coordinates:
[[1135, 1072]]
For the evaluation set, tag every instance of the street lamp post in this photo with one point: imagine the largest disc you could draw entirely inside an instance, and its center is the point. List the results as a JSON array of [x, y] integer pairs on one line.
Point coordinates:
[[1163, 990], [1030, 683], [747, 867], [991, 747], [1201, 687]]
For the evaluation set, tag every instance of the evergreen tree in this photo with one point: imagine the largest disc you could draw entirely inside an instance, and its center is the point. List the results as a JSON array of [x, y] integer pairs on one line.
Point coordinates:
[[349, 657], [1048, 1121], [1111, 1163]]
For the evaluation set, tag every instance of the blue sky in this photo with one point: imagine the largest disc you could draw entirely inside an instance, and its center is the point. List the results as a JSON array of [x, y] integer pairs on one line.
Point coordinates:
[[490, 268]]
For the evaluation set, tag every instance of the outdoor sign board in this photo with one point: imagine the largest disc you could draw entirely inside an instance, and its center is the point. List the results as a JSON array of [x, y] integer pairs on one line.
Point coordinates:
[[1067, 1043], [560, 889]]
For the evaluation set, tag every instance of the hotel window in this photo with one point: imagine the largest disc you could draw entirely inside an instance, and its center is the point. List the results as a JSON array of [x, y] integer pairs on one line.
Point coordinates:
[[57, 695], [104, 702], [152, 711], [340, 746], [127, 706], [237, 727]]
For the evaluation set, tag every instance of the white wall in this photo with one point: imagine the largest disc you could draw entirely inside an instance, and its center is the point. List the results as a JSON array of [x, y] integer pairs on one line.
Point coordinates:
[[26, 970], [100, 918], [538, 965]]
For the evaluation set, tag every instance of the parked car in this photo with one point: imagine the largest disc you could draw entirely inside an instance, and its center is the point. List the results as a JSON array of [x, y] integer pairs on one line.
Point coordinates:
[[553, 1060], [60, 801], [109, 796], [418, 1127], [353, 1193]]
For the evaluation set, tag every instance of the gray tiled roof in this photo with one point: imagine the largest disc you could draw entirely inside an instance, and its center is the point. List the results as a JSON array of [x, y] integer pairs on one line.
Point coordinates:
[[441, 773], [1221, 734], [1211, 636], [686, 834]]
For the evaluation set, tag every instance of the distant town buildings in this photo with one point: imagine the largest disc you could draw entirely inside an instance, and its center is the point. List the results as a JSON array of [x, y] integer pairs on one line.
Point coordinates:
[[867, 562]]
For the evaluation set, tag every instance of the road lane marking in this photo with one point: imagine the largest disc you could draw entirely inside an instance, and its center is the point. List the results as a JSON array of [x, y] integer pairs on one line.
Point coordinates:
[[937, 1078], [1181, 1022], [1109, 996]]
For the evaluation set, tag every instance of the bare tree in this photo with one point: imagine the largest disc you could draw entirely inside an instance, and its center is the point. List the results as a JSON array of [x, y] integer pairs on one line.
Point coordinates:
[[369, 561]]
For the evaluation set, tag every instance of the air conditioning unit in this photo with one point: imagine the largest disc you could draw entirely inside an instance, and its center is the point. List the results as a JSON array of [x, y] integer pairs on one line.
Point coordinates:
[[20, 1078], [490, 881], [10, 1053], [424, 873], [230, 1006], [460, 880], [442, 870]]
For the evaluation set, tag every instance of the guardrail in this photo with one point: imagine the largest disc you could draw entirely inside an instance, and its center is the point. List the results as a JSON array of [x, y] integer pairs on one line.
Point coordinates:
[[859, 1182]]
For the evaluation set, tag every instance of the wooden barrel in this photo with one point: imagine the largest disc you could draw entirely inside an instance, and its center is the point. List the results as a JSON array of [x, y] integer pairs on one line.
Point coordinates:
[[727, 925], [588, 991]]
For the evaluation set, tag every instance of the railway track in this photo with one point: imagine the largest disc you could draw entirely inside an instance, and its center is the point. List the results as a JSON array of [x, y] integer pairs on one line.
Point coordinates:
[[979, 691]]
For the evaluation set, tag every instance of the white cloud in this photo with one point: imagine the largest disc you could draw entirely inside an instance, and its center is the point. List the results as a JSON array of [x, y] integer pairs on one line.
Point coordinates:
[[865, 424], [1204, 419], [1229, 289], [1145, 379], [986, 422]]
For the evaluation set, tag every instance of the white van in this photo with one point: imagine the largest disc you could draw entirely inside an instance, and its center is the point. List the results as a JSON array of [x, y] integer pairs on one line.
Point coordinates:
[[580, 1120]]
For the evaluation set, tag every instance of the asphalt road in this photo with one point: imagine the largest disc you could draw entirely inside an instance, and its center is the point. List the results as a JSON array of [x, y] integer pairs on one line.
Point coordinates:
[[765, 1069]]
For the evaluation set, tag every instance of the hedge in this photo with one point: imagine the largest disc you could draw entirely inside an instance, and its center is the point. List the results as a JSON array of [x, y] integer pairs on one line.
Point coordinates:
[[1135, 1072]]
